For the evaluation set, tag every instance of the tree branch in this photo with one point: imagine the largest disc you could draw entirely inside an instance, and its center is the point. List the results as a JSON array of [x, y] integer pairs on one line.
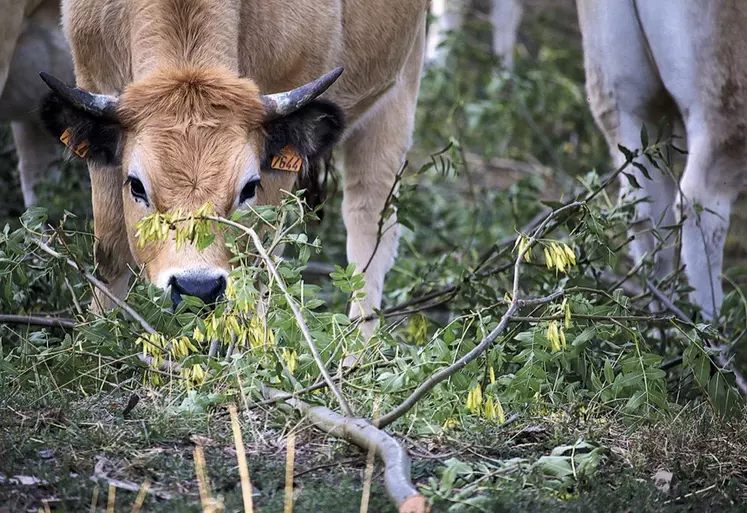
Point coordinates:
[[99, 285], [363, 434], [37, 320], [513, 307]]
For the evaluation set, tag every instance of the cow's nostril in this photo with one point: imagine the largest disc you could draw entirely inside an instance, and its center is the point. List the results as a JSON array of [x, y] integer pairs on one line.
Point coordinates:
[[209, 290]]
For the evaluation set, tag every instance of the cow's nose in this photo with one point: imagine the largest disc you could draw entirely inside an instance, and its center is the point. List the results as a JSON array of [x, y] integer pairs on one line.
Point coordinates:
[[209, 290]]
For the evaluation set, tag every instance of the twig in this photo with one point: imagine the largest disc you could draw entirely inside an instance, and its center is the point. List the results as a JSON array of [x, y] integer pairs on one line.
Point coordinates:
[[651, 319], [99, 285], [513, 307], [720, 358], [35, 320], [292, 303], [361, 433], [383, 218]]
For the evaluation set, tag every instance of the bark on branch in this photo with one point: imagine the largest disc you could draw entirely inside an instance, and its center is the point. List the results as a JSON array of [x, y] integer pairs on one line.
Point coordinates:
[[363, 434]]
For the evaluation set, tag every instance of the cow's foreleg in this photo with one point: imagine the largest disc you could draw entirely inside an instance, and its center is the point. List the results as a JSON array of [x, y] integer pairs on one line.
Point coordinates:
[[707, 192], [373, 155], [37, 156], [111, 249]]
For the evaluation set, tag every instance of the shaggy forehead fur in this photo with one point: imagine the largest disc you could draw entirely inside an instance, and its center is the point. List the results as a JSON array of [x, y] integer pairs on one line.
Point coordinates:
[[192, 128], [183, 97]]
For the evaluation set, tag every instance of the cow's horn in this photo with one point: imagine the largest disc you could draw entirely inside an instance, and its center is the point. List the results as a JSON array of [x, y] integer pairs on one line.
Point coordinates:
[[99, 105], [282, 104]]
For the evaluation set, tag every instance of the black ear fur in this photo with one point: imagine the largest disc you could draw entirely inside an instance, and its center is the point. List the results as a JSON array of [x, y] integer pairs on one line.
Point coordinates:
[[312, 131], [102, 136]]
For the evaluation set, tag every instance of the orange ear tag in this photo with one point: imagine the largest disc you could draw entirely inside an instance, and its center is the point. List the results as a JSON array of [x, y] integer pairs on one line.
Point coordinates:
[[81, 150], [287, 160]]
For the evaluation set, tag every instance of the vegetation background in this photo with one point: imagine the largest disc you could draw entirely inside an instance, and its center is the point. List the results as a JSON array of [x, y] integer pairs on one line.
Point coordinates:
[[589, 403]]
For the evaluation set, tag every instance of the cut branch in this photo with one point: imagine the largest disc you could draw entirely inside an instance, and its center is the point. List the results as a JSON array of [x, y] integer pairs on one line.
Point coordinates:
[[363, 434], [486, 342]]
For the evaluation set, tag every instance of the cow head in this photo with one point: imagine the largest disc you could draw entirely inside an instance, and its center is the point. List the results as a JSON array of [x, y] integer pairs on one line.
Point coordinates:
[[186, 137]]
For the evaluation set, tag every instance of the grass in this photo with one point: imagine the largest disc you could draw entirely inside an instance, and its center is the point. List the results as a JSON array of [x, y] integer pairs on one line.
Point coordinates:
[[65, 440], [64, 447]]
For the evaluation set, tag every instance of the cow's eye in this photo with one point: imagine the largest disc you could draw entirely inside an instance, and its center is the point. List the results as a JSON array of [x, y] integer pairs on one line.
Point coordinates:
[[137, 190], [249, 190]]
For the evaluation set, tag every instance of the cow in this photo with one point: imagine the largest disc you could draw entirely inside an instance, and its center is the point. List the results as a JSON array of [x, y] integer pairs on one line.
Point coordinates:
[[682, 60], [505, 16], [180, 103], [30, 39]]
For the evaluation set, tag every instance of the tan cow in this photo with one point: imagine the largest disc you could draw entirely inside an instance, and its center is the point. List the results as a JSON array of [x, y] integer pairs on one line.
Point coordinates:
[[685, 59], [173, 109], [31, 39]]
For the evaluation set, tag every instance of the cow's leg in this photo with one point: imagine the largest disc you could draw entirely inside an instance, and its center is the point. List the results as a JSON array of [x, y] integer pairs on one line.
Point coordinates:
[[11, 23], [505, 16], [625, 94], [707, 192], [706, 76], [654, 200], [111, 250], [37, 157], [373, 155], [449, 15]]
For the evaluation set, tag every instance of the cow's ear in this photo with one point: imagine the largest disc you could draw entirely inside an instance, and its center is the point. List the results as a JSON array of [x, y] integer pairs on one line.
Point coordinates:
[[311, 132], [86, 135]]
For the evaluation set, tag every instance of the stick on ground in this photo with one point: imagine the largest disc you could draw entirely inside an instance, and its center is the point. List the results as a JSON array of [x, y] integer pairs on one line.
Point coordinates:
[[363, 434]]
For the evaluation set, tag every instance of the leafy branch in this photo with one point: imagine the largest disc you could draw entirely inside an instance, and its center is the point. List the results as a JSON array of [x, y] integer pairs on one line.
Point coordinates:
[[515, 304]]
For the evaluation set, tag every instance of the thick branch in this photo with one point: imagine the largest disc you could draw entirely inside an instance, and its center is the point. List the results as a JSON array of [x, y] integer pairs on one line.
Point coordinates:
[[37, 320], [363, 434]]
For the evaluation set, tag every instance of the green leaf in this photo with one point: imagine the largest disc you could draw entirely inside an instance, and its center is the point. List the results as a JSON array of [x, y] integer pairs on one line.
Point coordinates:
[[632, 180], [701, 369]]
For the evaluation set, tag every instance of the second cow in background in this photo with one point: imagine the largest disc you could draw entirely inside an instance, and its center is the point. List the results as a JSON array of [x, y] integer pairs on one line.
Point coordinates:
[[505, 16], [30, 40], [682, 60]]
